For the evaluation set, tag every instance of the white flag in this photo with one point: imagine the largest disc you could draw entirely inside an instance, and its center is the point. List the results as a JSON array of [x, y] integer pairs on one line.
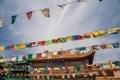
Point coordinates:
[[1, 22], [46, 12]]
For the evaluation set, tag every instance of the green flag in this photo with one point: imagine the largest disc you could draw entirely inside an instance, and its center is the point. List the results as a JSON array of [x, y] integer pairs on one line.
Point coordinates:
[[17, 46], [62, 40], [13, 18], [82, 48], [48, 42], [54, 40], [29, 56]]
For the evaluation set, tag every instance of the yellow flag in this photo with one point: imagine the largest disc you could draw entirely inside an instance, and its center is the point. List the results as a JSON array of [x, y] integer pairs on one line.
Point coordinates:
[[110, 30], [2, 48], [46, 12], [101, 32], [22, 45], [69, 38], [95, 34]]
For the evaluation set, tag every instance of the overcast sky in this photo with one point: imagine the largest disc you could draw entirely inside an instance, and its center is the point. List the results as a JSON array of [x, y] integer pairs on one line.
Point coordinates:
[[75, 18]]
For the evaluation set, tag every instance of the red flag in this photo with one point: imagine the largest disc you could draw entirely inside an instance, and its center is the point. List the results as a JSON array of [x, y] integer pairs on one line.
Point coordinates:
[[29, 15], [11, 47], [34, 44], [42, 43], [58, 40], [80, 37]]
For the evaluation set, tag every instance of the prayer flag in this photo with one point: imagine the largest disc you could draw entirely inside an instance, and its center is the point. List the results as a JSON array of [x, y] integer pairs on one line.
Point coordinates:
[[17, 46], [95, 34], [82, 48], [13, 58], [75, 37], [42, 43], [62, 40], [22, 45], [79, 37], [30, 56], [46, 12], [103, 46], [34, 44], [48, 42], [87, 35], [11, 47], [28, 45], [95, 47], [112, 31], [13, 19], [108, 45], [54, 40], [115, 45], [102, 32], [118, 30], [2, 48], [1, 22], [58, 40], [20, 58], [69, 38], [7, 47], [29, 15]]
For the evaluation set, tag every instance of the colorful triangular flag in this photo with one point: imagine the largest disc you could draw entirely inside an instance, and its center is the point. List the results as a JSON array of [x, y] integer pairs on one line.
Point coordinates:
[[1, 22], [13, 19], [29, 15], [46, 12]]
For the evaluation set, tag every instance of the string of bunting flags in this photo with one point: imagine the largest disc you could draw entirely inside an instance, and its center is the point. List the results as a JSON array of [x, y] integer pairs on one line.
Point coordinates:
[[86, 35], [45, 12], [79, 50]]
